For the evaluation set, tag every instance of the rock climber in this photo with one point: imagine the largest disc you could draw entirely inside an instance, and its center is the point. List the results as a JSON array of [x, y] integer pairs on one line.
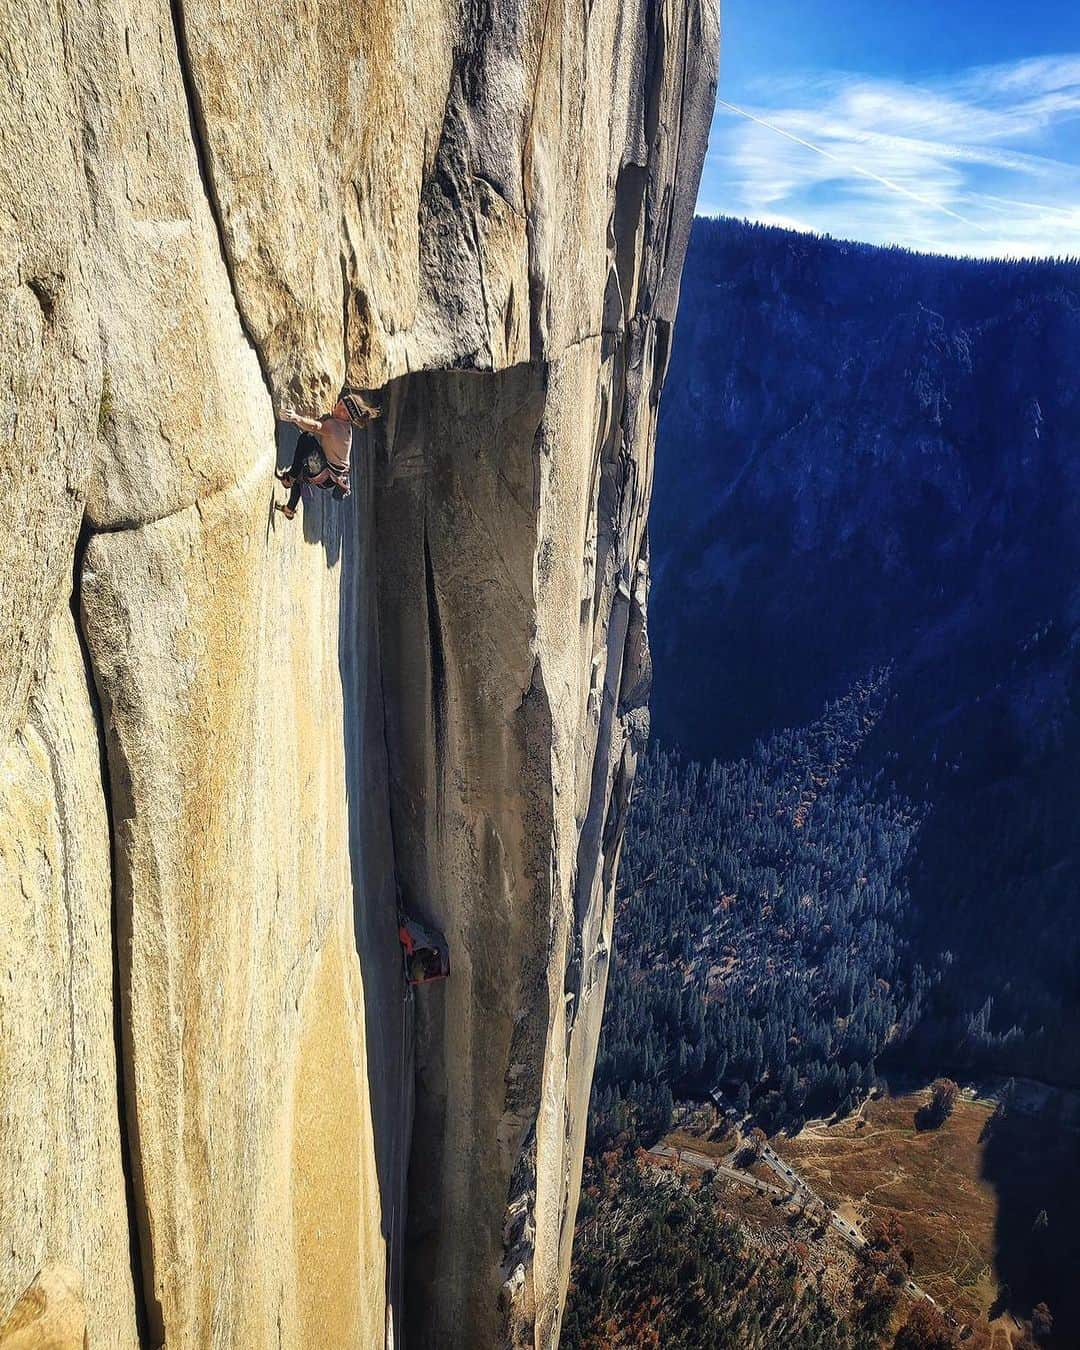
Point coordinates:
[[426, 953], [323, 450]]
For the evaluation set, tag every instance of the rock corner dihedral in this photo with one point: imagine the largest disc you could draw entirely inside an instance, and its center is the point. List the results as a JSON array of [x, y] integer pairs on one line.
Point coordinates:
[[234, 747]]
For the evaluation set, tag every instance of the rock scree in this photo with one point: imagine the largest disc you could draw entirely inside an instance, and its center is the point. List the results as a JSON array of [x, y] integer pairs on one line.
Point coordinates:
[[230, 745]]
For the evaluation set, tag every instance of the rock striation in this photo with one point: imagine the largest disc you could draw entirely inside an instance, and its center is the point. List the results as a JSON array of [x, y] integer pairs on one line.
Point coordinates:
[[230, 746]]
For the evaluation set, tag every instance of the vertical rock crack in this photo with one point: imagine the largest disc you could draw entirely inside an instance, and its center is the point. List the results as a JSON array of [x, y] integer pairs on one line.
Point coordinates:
[[148, 1316]]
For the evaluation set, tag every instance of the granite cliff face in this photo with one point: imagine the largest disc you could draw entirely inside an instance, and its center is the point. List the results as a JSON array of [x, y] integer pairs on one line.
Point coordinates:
[[229, 743]]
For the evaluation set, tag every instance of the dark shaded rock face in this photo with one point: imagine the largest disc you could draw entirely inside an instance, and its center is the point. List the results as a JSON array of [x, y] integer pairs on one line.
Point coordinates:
[[870, 458]]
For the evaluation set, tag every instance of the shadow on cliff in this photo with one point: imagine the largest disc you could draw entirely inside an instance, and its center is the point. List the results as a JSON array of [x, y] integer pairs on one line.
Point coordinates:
[[346, 532]]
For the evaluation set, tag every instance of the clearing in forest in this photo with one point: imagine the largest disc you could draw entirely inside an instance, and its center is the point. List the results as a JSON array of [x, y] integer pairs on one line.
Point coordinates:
[[987, 1202]]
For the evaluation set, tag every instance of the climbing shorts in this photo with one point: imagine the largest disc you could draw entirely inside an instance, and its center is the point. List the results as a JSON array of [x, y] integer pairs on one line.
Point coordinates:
[[310, 458]]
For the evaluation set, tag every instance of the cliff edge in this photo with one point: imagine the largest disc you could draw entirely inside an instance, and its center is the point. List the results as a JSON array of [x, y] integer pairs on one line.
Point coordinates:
[[231, 745]]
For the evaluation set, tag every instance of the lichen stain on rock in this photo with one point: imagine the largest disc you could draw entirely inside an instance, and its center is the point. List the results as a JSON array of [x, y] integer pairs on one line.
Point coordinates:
[[330, 1184]]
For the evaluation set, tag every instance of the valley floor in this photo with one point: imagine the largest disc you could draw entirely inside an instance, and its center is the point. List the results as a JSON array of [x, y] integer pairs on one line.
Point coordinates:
[[987, 1202]]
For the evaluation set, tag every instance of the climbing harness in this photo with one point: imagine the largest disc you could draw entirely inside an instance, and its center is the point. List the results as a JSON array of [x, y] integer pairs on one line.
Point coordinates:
[[316, 470]]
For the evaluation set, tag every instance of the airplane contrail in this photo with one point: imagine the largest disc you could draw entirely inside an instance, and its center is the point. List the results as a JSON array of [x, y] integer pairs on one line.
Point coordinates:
[[854, 168]]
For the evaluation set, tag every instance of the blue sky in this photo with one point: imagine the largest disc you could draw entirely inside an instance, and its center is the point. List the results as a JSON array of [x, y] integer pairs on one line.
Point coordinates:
[[944, 125]]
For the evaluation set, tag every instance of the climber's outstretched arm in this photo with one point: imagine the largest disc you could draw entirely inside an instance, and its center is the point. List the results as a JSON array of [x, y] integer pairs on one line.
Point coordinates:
[[304, 423]]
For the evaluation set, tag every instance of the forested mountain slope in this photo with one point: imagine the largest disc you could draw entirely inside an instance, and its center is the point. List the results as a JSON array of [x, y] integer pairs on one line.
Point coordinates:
[[869, 458], [759, 931]]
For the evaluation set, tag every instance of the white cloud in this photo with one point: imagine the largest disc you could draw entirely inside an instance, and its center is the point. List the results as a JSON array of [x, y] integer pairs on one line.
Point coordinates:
[[972, 164]]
